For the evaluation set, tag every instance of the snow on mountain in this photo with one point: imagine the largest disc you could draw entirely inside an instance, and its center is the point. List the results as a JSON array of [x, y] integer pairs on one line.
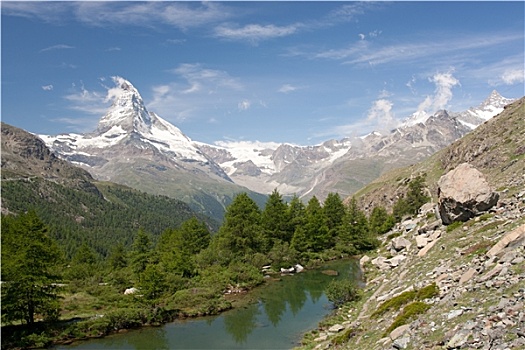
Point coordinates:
[[128, 130], [419, 117], [128, 119], [492, 106]]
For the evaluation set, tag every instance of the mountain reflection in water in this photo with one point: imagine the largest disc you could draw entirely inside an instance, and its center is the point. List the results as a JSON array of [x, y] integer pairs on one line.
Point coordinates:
[[285, 310]]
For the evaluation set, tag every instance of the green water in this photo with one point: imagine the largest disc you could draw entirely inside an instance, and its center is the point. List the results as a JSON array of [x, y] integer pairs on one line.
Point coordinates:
[[285, 310]]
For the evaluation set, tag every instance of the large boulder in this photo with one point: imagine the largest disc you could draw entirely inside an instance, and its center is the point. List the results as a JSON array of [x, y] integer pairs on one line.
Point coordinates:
[[464, 193]]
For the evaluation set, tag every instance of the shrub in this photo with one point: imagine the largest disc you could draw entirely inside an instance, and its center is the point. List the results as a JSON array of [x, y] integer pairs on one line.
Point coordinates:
[[342, 291], [345, 336], [409, 312], [427, 292], [454, 226], [395, 302]]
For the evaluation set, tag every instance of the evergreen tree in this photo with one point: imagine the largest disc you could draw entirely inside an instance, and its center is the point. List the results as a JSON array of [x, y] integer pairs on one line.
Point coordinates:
[[274, 218], [354, 235], [334, 212], [241, 231], [316, 230], [296, 215], [152, 284], [29, 262], [380, 221], [117, 257], [141, 253], [178, 248]]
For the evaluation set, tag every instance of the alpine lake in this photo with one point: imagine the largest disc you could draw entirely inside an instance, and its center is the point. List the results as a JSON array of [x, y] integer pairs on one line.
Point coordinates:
[[273, 316]]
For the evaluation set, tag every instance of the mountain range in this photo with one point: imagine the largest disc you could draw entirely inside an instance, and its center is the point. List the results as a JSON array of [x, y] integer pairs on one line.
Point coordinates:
[[137, 148]]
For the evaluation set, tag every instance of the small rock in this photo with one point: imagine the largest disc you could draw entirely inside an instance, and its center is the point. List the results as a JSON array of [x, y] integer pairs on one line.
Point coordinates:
[[454, 313], [421, 241], [401, 343], [336, 328], [396, 333]]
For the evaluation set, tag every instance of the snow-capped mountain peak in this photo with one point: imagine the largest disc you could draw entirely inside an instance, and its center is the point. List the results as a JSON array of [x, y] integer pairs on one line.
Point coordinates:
[[128, 121], [127, 111]]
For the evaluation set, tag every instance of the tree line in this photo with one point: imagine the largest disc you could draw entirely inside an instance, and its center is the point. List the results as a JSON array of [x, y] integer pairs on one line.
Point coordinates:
[[187, 269]]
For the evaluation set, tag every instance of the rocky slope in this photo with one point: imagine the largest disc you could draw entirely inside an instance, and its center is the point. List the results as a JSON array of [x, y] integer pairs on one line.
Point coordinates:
[[25, 156], [475, 267]]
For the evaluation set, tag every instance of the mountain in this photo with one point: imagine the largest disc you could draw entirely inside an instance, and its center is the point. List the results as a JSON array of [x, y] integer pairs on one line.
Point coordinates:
[[431, 286], [77, 208], [344, 166], [137, 148], [496, 148]]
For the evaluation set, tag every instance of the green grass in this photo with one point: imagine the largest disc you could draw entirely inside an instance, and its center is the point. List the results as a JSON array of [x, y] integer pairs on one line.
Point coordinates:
[[408, 313]]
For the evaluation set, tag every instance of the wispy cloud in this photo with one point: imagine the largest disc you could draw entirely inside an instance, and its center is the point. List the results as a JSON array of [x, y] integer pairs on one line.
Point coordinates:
[[182, 15], [50, 12], [244, 105], [255, 32], [89, 102], [47, 87], [370, 53], [286, 88], [57, 47], [188, 95]]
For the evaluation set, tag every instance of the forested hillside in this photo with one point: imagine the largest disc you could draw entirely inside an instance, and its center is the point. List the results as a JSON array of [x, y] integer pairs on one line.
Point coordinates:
[[99, 219]]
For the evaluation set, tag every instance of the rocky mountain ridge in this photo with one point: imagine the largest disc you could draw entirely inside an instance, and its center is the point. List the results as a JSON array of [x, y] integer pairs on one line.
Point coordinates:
[[138, 148], [318, 170], [472, 270]]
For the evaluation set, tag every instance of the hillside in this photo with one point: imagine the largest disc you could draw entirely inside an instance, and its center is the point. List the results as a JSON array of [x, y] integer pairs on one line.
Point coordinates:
[[76, 207], [431, 286], [496, 148]]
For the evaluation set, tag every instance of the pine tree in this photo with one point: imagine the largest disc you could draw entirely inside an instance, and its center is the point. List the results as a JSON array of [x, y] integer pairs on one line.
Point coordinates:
[[334, 212], [296, 215], [241, 231], [316, 230], [380, 222], [29, 262], [141, 253], [274, 219]]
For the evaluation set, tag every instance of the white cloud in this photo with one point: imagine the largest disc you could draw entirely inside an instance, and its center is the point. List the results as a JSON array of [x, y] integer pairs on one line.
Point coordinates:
[[182, 15], [57, 47], [444, 83], [255, 32], [244, 105], [362, 36], [205, 79], [454, 48], [380, 115], [90, 102], [47, 87], [286, 88], [513, 76]]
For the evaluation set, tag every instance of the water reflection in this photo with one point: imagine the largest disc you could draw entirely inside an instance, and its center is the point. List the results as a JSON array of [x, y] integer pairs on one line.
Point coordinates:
[[285, 310]]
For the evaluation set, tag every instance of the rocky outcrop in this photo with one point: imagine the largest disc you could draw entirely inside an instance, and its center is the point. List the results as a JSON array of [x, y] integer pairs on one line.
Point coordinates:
[[464, 193], [478, 269]]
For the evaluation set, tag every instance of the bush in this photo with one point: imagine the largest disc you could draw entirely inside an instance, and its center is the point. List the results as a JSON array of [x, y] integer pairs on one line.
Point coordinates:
[[395, 302], [344, 337], [342, 291], [454, 226], [409, 312], [427, 292]]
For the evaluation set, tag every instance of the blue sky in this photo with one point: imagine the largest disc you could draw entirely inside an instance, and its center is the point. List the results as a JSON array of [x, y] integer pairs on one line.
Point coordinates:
[[298, 72]]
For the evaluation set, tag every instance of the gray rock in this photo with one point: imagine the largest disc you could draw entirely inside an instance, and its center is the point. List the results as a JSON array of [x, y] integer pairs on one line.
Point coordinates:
[[464, 193], [401, 343], [400, 243]]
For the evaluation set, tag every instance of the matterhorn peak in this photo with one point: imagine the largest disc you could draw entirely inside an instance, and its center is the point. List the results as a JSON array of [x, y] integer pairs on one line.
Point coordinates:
[[127, 110]]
